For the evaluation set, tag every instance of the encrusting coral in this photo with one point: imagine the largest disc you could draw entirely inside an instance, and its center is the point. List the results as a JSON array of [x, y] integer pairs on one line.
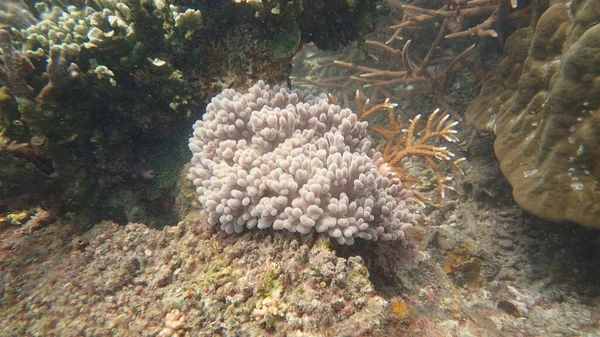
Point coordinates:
[[543, 107], [289, 160]]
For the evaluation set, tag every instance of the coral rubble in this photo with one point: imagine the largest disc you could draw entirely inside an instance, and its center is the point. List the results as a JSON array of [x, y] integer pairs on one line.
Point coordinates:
[[184, 279]]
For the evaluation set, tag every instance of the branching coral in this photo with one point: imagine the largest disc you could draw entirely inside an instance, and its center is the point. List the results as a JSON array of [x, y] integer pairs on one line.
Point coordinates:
[[401, 142], [60, 74], [409, 55], [459, 12]]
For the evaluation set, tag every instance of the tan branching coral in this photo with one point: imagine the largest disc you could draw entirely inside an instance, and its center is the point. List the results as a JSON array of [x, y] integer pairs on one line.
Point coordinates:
[[544, 108], [402, 142], [458, 12], [409, 58]]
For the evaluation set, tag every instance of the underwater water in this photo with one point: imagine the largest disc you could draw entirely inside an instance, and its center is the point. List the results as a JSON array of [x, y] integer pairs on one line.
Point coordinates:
[[299, 168]]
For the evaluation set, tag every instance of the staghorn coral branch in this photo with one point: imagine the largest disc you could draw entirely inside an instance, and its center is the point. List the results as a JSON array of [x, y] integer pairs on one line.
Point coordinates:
[[352, 66], [426, 69], [402, 143], [443, 13], [481, 29], [365, 110], [383, 46], [434, 45]]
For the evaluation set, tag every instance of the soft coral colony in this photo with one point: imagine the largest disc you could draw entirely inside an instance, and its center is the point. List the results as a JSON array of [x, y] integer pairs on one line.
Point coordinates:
[[285, 159]]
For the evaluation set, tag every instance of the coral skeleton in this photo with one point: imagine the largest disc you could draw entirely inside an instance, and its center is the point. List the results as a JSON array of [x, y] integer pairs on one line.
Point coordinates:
[[281, 159]]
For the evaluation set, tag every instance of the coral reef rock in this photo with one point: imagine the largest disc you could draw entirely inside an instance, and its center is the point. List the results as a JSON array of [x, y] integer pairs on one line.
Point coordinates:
[[184, 280]]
